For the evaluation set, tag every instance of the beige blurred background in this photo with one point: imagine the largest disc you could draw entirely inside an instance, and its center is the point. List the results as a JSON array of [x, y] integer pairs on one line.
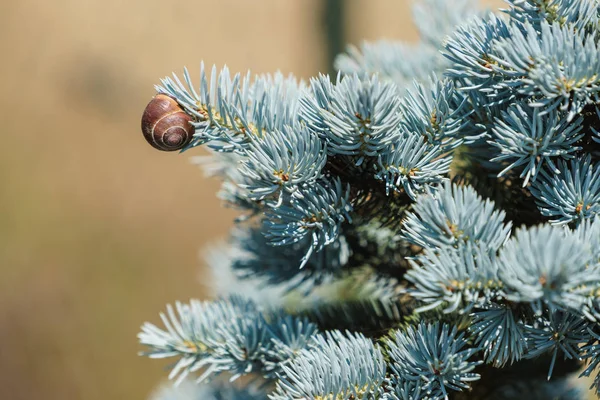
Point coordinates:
[[98, 230]]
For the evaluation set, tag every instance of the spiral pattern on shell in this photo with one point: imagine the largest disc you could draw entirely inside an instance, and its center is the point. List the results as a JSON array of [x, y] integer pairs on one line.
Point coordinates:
[[165, 124]]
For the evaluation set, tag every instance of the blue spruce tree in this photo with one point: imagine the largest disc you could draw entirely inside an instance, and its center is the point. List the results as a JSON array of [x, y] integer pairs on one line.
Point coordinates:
[[424, 225]]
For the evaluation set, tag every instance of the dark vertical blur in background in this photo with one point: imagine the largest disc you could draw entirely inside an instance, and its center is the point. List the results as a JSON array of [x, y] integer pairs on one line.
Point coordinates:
[[98, 230]]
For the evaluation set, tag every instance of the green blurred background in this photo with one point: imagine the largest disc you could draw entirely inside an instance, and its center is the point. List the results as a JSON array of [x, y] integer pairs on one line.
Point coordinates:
[[98, 230]]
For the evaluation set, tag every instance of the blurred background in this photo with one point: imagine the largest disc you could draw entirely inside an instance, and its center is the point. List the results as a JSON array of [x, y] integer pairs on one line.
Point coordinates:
[[98, 231]]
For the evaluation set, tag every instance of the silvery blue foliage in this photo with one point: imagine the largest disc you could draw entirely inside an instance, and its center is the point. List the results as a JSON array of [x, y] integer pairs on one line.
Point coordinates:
[[596, 137], [224, 281], [431, 112], [289, 335], [563, 273], [453, 215], [191, 331], [560, 333], [403, 390], [381, 205], [318, 215], [470, 50], [527, 141], [456, 279], [591, 353], [581, 14], [571, 193], [499, 333], [548, 266], [556, 66], [229, 109], [231, 335], [279, 265], [356, 117], [282, 161], [433, 356], [589, 232], [411, 164], [337, 366]]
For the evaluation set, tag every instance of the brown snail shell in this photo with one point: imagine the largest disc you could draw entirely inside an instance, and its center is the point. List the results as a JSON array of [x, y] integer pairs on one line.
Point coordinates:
[[165, 124]]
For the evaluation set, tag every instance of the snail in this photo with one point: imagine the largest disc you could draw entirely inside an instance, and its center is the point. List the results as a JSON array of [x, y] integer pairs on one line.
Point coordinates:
[[165, 124]]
